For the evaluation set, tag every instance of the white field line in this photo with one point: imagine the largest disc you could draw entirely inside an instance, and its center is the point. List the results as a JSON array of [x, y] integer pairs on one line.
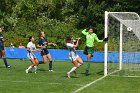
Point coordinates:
[[125, 76], [37, 82], [93, 82], [114, 72], [110, 74], [87, 85]]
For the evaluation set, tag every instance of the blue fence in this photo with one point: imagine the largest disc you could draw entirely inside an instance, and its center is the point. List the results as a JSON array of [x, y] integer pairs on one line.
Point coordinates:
[[21, 53]]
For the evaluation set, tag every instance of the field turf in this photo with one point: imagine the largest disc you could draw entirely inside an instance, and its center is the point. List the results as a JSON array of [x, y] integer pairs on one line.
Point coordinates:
[[15, 80]]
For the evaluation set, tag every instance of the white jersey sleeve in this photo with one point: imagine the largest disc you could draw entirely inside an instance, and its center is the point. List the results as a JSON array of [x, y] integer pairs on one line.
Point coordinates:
[[31, 45], [69, 45]]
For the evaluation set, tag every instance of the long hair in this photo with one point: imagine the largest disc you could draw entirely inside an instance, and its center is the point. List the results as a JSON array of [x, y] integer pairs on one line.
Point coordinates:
[[40, 35], [30, 38]]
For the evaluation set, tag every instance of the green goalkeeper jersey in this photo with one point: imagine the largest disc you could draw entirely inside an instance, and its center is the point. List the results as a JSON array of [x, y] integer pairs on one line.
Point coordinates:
[[90, 38]]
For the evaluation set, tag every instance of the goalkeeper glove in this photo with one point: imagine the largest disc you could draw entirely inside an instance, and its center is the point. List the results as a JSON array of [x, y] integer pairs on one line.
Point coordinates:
[[105, 39]]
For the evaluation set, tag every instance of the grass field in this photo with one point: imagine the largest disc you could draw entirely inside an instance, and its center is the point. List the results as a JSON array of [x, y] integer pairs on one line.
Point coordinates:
[[15, 80]]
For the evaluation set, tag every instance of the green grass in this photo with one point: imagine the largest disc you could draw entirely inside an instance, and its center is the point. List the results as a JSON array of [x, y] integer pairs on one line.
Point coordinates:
[[15, 80]]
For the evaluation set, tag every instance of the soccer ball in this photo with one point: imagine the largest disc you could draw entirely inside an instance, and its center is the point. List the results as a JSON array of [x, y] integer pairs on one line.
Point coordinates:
[[129, 29]]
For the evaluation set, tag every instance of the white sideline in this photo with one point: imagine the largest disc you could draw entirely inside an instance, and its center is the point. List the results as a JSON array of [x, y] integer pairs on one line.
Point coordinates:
[[87, 85]]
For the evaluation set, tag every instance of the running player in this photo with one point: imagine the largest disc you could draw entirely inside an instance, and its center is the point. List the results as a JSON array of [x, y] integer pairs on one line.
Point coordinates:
[[31, 48], [43, 43], [76, 60], [89, 49], [2, 51]]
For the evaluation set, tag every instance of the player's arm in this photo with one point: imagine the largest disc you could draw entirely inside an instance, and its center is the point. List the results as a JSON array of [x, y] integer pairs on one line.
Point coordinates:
[[37, 50], [39, 45], [4, 39], [85, 32], [52, 44], [97, 39], [30, 50], [77, 42]]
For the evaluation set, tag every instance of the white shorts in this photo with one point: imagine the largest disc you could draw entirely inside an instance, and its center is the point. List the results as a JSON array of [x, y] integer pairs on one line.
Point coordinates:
[[73, 58], [31, 55]]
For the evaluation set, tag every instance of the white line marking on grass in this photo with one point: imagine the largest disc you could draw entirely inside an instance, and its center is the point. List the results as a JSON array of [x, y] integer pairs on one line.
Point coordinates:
[[114, 72], [87, 85], [125, 76], [132, 76], [37, 82]]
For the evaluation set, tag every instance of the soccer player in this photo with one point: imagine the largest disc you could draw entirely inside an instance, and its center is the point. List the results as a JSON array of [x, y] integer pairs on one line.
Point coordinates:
[[2, 51], [31, 48], [76, 60], [89, 49], [43, 43]]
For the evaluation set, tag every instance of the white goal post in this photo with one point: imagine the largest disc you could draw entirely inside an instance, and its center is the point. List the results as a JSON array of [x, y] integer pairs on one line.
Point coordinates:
[[129, 21]]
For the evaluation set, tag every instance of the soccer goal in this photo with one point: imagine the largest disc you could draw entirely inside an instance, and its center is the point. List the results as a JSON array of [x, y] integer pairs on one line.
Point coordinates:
[[122, 51]]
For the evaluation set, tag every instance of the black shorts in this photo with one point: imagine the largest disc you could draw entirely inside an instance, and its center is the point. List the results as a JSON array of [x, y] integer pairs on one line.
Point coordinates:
[[88, 50], [1, 46], [44, 52]]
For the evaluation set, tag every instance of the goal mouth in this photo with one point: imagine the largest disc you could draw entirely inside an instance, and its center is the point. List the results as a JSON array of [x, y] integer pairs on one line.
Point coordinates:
[[122, 51]]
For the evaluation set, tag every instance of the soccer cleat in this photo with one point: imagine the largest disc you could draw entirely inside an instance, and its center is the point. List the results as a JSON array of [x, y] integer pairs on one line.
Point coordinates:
[[26, 71], [50, 70], [8, 66], [87, 73], [68, 74]]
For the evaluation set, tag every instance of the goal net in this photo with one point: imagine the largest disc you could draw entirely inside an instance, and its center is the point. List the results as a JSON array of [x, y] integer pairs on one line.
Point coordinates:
[[122, 51]]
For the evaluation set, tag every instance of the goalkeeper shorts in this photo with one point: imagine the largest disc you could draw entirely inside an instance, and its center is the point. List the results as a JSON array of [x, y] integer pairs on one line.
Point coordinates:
[[88, 50]]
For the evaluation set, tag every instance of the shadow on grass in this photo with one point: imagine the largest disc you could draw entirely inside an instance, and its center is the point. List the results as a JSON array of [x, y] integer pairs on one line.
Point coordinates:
[[86, 74], [71, 76], [100, 73], [39, 69]]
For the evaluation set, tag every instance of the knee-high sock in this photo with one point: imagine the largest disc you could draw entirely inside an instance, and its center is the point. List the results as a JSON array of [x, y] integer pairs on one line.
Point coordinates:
[[29, 68], [5, 62], [50, 65], [73, 69], [88, 65], [35, 68]]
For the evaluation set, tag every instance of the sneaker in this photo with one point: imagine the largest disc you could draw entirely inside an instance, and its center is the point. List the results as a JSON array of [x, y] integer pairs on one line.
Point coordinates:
[[26, 71], [68, 74]]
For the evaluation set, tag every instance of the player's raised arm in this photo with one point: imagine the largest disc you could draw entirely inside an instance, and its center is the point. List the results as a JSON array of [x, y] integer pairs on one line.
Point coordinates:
[[97, 39], [85, 32], [77, 42]]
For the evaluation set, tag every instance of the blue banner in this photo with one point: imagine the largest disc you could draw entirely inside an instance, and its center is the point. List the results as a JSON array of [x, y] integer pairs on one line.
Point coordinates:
[[21, 53]]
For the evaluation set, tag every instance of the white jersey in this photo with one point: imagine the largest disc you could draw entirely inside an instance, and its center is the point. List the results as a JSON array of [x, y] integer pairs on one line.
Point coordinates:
[[72, 53], [32, 46]]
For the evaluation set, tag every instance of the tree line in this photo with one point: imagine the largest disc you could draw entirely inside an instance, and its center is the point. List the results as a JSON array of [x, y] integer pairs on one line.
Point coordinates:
[[58, 18]]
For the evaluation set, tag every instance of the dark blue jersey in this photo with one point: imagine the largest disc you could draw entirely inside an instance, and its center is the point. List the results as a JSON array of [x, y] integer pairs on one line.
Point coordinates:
[[1, 38], [43, 42]]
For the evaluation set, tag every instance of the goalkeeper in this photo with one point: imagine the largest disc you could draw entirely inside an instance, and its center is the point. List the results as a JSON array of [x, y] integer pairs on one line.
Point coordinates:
[[89, 49]]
